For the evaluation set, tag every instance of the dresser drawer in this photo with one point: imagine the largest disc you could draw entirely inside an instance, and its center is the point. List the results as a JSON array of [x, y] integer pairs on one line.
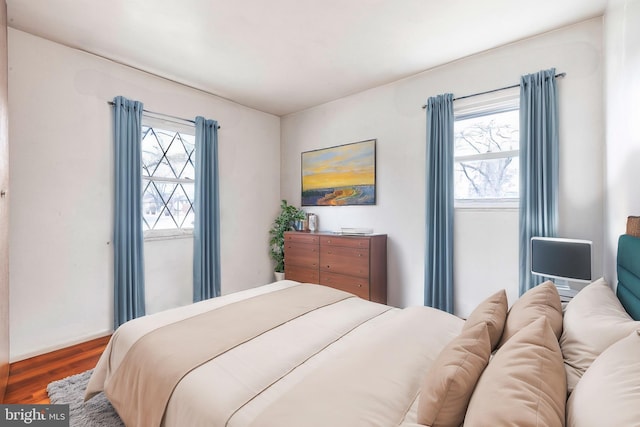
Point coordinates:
[[348, 242], [343, 260], [356, 264], [356, 285], [301, 274], [301, 254], [301, 238]]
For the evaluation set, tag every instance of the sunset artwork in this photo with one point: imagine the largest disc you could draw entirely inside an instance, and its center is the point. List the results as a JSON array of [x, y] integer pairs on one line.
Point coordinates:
[[340, 176]]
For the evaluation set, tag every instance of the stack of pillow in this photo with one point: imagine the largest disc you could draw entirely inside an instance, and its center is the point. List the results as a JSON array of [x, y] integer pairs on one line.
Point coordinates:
[[601, 347], [538, 358]]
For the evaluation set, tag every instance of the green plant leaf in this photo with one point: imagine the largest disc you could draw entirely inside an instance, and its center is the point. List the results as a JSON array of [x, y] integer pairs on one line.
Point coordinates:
[[283, 222]]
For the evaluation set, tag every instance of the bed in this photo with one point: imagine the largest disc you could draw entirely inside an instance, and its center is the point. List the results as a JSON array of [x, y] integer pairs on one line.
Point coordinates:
[[282, 362], [296, 354]]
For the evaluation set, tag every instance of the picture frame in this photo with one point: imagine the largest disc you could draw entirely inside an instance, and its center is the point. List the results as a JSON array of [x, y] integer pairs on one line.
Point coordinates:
[[343, 175]]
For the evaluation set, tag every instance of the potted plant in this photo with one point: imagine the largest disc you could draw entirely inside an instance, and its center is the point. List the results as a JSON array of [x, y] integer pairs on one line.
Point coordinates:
[[284, 222]]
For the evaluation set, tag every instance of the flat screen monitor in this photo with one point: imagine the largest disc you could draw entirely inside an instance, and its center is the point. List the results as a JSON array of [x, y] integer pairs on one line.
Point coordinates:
[[561, 258]]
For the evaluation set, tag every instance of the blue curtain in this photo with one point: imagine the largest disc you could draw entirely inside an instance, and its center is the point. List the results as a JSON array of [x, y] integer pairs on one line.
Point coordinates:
[[438, 280], [206, 230], [538, 166], [127, 240]]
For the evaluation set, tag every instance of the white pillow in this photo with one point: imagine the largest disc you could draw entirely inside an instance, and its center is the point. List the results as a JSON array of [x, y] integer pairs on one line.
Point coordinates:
[[609, 392], [593, 320]]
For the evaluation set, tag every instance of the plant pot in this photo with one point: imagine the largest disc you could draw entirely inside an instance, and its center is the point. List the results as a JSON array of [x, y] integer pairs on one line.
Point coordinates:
[[279, 276]]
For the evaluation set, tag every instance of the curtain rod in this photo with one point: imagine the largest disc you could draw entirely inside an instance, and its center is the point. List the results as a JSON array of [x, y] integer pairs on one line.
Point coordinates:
[[162, 114], [559, 75]]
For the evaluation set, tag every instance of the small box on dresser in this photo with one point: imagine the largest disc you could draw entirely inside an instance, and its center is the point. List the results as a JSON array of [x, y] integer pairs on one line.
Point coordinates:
[[356, 264]]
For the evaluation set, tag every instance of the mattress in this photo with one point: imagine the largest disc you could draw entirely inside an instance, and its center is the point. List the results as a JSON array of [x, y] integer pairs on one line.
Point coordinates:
[[346, 363]]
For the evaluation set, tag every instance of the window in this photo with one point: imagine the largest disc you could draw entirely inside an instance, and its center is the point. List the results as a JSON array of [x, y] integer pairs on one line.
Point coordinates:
[[167, 178], [486, 164]]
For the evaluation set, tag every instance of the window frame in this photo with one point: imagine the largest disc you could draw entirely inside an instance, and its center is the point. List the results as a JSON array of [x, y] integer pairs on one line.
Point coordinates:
[[487, 105], [183, 127]]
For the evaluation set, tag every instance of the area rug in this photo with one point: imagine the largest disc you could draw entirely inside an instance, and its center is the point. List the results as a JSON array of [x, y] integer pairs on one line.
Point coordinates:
[[97, 412]]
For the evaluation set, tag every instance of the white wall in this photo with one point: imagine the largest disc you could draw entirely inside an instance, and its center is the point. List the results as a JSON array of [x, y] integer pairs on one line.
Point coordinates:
[[622, 82], [168, 278], [393, 115], [485, 255], [62, 193]]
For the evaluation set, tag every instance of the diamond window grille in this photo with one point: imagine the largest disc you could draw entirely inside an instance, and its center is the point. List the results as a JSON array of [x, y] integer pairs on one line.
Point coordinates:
[[167, 179]]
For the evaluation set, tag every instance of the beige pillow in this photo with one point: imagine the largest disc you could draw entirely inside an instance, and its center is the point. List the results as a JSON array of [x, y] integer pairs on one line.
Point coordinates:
[[492, 311], [593, 320], [540, 301], [450, 381], [609, 392], [524, 384]]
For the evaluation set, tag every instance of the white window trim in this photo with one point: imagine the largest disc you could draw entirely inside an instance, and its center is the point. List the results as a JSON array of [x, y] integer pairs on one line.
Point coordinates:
[[150, 235], [487, 156], [487, 204], [484, 105], [164, 179], [150, 120]]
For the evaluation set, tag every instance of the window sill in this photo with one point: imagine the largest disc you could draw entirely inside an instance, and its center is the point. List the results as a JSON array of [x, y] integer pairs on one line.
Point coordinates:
[[151, 236], [487, 205]]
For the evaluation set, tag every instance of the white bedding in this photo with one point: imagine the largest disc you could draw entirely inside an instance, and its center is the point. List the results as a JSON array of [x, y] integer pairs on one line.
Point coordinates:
[[247, 384]]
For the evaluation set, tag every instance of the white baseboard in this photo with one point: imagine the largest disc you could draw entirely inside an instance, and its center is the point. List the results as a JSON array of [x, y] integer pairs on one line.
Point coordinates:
[[79, 340]]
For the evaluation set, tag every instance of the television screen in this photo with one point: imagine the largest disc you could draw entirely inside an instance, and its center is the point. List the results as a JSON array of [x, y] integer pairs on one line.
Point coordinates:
[[561, 258]]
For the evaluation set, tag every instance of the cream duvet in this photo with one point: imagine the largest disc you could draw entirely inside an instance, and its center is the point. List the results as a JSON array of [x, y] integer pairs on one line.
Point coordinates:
[[284, 354]]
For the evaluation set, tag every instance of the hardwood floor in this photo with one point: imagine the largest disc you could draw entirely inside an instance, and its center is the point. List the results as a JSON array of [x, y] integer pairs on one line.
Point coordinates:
[[28, 379]]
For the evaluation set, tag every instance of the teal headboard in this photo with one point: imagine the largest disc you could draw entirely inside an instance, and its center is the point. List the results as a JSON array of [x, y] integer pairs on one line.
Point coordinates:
[[629, 274]]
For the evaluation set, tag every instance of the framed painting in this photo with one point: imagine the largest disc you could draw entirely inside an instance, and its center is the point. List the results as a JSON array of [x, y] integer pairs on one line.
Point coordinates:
[[340, 176]]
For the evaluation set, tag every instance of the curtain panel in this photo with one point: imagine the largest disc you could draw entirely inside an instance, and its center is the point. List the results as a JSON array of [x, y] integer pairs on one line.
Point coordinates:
[[438, 281], [127, 240], [206, 205], [539, 166]]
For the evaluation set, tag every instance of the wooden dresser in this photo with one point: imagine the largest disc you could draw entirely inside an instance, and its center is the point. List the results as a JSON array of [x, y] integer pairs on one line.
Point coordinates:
[[356, 264]]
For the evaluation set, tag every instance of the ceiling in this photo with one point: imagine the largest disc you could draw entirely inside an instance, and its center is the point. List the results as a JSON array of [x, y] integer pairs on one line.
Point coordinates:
[[282, 56]]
